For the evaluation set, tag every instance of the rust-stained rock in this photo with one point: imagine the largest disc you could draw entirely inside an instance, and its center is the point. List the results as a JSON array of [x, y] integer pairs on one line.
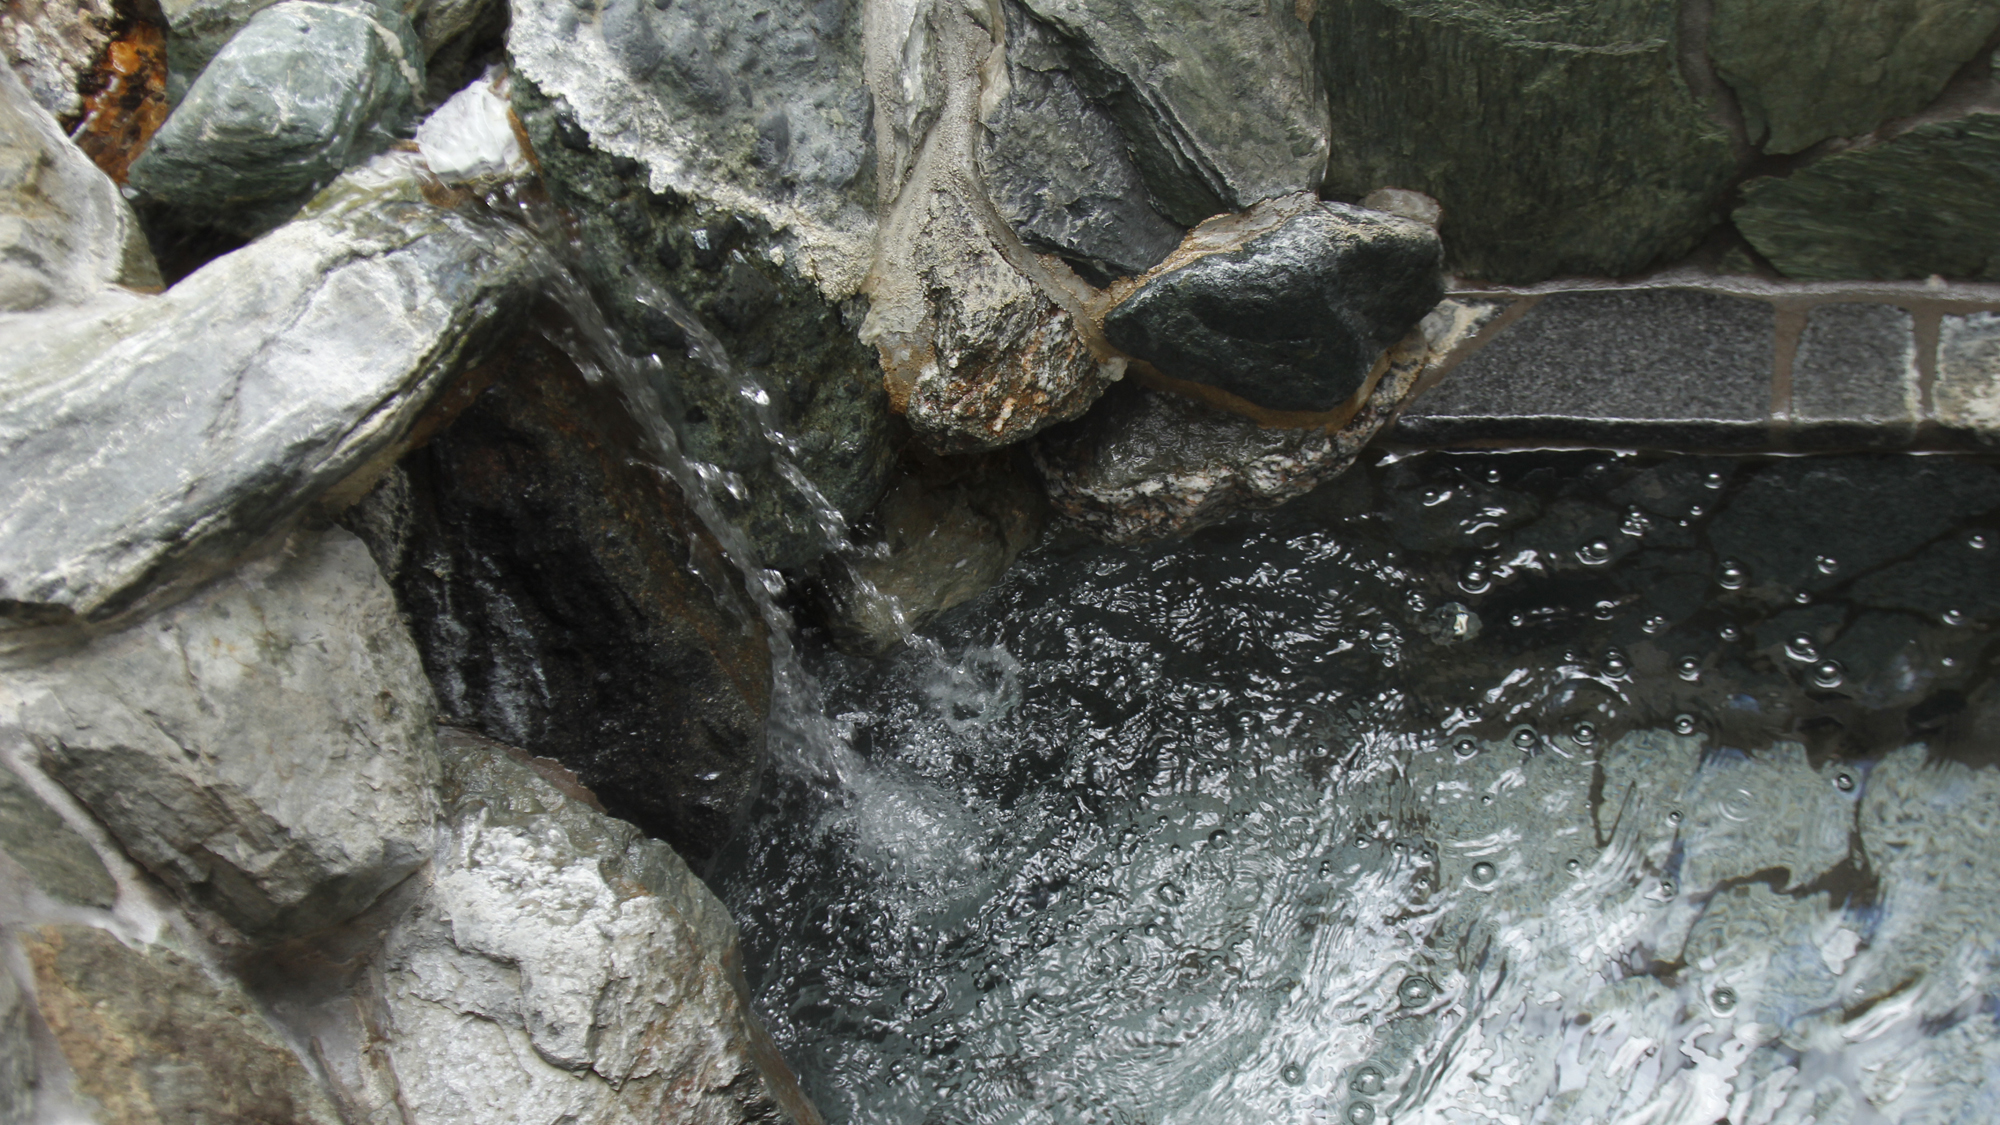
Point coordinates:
[[150, 1038], [54, 46], [125, 97]]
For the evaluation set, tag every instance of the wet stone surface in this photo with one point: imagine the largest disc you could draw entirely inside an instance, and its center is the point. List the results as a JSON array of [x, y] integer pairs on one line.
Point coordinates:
[[1254, 827], [1854, 377]]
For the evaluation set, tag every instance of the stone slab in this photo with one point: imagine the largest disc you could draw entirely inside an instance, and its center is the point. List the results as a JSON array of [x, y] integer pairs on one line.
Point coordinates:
[[62, 863], [1655, 368], [1854, 378], [1966, 396]]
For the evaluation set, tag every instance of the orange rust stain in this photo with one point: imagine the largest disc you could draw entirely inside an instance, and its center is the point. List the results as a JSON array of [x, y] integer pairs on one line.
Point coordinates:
[[127, 99]]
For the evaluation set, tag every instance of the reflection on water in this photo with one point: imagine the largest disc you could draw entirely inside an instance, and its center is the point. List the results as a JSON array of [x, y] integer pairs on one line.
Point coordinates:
[[1510, 788]]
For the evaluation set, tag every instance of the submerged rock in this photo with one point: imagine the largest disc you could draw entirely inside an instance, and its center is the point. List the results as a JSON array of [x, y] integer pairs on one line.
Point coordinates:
[[1146, 464], [567, 599], [1806, 70], [1559, 140], [1926, 202], [304, 91], [150, 1037], [146, 443], [1288, 305], [1220, 104], [265, 747], [562, 967], [65, 233]]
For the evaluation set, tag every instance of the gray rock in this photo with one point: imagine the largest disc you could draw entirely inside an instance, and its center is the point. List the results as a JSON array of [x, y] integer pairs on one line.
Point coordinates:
[[565, 968], [303, 92], [54, 46], [62, 863], [151, 1037], [1854, 377], [1558, 138], [65, 231], [1057, 168], [17, 1056], [1806, 70], [145, 443], [265, 747], [1220, 104], [1145, 465], [1657, 368], [1288, 305], [1966, 394], [196, 31]]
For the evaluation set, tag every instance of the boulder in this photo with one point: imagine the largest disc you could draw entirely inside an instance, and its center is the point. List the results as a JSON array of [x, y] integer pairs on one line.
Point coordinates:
[[265, 747], [145, 443], [1147, 464], [1924, 202], [53, 46], [1559, 140], [149, 1036], [1289, 305], [65, 232], [18, 1070], [744, 343], [1966, 394], [1219, 104], [61, 863], [567, 599], [1806, 70], [304, 91], [562, 967]]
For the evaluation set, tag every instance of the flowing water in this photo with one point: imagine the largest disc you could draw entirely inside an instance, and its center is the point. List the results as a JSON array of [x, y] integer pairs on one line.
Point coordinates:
[[1511, 788]]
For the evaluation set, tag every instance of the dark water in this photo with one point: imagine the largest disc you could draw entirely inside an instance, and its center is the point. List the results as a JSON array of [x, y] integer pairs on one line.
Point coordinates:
[[1508, 788]]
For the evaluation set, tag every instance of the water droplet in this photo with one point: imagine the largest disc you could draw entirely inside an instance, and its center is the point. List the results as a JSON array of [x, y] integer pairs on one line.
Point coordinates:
[[1977, 542], [1170, 894], [1218, 838], [1464, 748], [1484, 873], [1684, 724], [1674, 817], [1713, 480], [1605, 610], [1584, 733], [1732, 575], [1729, 633], [1615, 663], [1293, 1074], [1486, 798], [1724, 1000], [1827, 564], [1368, 1081], [1802, 649], [1953, 617], [1827, 674], [1361, 841], [1474, 581], [1572, 866], [1949, 662], [1595, 553], [1802, 598], [1415, 992], [1492, 476], [1435, 496], [1844, 782], [1525, 738], [1653, 624], [1696, 511], [1360, 1113], [1689, 668], [1667, 888]]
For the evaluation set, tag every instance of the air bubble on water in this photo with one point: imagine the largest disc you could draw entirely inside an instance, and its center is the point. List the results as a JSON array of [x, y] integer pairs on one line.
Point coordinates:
[[1474, 581], [1689, 668], [1484, 873], [1525, 738], [1415, 992], [1684, 724], [1218, 838], [1293, 1074], [1827, 564], [1668, 889], [1368, 1081], [1653, 624], [1572, 866], [1464, 748], [1492, 476], [1827, 674], [1802, 649], [1977, 542], [1696, 511], [1713, 480], [1674, 817], [1729, 633], [1844, 782], [1615, 662], [1605, 610], [1584, 733], [1361, 841], [1595, 553], [1953, 617], [1723, 1000], [1360, 1113], [1732, 576], [1803, 597]]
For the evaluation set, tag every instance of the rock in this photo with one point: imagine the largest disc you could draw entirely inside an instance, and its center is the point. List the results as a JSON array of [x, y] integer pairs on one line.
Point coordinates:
[[125, 101], [65, 232], [265, 747], [471, 136], [1147, 465], [150, 1037], [982, 342], [1288, 305], [61, 863], [949, 529], [303, 92], [1559, 140], [1854, 377], [1057, 168], [715, 297], [1806, 70], [53, 46], [198, 30], [17, 1056], [1219, 104], [565, 968], [1925, 202], [146, 443], [766, 118], [567, 599], [1966, 394]]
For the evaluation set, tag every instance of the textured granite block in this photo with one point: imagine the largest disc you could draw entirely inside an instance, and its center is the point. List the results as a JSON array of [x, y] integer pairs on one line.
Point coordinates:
[[1854, 378], [1966, 395], [1659, 368]]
